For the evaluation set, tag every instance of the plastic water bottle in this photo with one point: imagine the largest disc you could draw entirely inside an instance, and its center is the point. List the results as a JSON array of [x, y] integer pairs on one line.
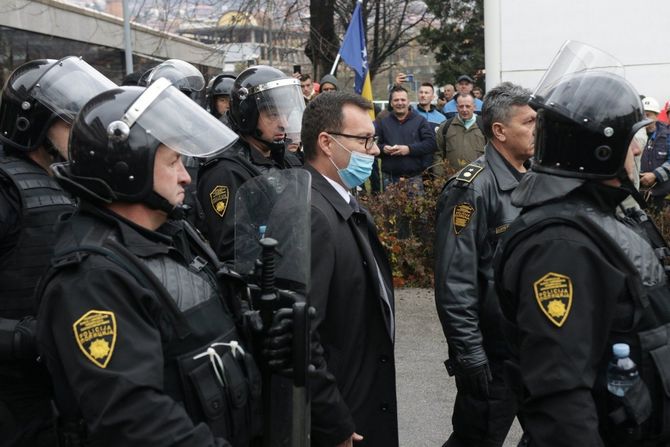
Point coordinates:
[[621, 372]]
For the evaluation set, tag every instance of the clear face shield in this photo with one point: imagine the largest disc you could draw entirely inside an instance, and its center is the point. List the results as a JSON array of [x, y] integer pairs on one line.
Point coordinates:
[[574, 98], [176, 121], [181, 74], [68, 85], [280, 103]]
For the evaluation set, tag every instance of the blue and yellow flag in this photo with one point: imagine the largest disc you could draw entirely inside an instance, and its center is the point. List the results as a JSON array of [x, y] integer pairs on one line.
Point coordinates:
[[355, 54]]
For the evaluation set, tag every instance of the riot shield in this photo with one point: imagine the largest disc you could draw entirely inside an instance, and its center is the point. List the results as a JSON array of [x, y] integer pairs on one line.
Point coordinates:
[[272, 253], [275, 205]]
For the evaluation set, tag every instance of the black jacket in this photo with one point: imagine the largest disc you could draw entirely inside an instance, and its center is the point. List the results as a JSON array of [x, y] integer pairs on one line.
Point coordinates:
[[352, 322], [474, 210], [218, 182], [573, 280], [111, 341], [417, 133]]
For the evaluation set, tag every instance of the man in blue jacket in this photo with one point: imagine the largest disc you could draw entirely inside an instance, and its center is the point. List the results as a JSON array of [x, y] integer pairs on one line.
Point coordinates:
[[406, 140]]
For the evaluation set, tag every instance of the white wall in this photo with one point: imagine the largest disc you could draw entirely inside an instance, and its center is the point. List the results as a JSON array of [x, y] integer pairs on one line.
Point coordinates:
[[531, 32]]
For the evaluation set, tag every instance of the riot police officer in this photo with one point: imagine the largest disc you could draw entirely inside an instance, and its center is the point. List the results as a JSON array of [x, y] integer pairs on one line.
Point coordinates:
[[189, 81], [37, 107], [573, 279], [266, 106], [137, 323], [218, 96]]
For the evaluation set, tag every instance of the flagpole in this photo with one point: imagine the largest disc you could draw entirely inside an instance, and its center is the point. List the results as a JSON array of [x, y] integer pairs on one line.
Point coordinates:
[[337, 61]]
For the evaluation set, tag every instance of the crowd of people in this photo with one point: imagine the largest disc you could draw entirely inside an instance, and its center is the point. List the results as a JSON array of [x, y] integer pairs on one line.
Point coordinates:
[[129, 317]]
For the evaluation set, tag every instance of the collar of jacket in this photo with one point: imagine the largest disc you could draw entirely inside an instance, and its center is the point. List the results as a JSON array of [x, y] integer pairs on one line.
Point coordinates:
[[411, 114], [140, 241], [505, 179], [331, 195]]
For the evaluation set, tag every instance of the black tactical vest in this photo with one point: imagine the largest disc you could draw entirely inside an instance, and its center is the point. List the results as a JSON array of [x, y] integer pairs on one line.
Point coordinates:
[[42, 201], [217, 383], [642, 417]]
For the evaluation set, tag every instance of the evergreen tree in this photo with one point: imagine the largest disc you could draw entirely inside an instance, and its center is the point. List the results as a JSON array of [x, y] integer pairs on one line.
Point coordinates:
[[459, 43]]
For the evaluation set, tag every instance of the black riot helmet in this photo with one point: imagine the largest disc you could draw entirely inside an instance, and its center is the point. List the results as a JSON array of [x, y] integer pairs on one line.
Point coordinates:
[[181, 74], [42, 90], [115, 137], [587, 115], [265, 89], [220, 85]]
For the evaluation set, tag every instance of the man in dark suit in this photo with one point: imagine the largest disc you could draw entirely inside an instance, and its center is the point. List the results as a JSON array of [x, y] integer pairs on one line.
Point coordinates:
[[351, 286]]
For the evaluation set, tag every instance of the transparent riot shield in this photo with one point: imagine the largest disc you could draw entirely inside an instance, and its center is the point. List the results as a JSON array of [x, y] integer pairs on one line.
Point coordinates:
[[272, 253], [275, 205]]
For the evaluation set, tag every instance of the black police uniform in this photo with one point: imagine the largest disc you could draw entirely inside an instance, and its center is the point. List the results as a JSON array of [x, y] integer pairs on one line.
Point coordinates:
[[129, 331], [573, 280], [474, 211], [218, 182], [30, 202]]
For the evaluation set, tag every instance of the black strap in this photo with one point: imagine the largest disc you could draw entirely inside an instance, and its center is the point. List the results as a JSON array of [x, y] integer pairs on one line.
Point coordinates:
[[604, 241], [121, 256]]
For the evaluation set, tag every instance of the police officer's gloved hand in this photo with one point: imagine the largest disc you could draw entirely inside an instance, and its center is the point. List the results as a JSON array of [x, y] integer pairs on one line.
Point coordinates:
[[278, 344], [474, 381]]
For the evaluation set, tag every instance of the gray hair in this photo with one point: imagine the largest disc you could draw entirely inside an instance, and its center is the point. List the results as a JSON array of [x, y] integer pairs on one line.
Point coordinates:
[[498, 104]]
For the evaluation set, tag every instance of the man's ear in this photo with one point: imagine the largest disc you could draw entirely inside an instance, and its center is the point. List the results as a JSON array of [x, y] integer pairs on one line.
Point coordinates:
[[323, 142], [498, 130]]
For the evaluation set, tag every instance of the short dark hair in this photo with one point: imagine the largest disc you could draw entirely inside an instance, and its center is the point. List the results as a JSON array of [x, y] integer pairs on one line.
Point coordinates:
[[395, 89], [427, 84], [498, 104], [324, 113], [305, 77]]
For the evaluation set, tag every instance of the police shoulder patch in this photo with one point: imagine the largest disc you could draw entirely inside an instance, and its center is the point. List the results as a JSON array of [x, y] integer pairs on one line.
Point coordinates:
[[553, 293], [95, 333], [468, 173], [219, 199], [461, 216]]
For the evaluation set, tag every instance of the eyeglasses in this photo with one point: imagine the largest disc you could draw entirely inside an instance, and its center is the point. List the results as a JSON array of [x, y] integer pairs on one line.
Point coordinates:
[[369, 141]]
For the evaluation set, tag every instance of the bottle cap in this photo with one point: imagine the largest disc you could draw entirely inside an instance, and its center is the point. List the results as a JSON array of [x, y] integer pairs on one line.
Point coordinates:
[[621, 350]]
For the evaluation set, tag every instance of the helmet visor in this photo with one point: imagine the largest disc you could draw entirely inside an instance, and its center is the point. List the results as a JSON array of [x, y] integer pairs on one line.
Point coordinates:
[[181, 74], [68, 85], [562, 90], [281, 101], [180, 123]]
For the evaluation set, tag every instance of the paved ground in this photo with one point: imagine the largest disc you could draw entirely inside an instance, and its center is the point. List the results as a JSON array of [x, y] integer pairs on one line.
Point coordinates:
[[425, 392]]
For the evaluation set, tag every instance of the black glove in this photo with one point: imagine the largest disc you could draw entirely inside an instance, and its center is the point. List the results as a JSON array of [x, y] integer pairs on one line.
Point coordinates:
[[474, 381], [278, 343]]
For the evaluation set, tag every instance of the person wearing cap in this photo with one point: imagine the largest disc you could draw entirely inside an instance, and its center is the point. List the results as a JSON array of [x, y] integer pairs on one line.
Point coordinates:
[[464, 84], [328, 83], [37, 107], [655, 162]]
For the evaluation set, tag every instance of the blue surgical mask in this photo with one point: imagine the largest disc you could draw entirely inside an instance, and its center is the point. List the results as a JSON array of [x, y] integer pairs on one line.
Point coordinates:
[[358, 170]]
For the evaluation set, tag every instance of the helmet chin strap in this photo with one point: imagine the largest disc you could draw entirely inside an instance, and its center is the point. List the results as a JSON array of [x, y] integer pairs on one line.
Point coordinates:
[[629, 186], [158, 202], [50, 148], [276, 147]]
